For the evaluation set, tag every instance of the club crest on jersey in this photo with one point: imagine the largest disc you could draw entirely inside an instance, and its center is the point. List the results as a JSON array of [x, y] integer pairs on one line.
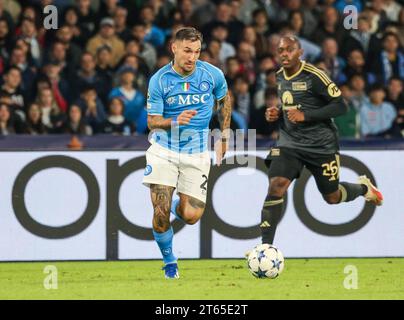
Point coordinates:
[[148, 170], [204, 86], [186, 86]]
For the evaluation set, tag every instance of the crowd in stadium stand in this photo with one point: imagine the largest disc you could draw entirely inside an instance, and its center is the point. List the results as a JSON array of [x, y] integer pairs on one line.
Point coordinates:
[[90, 75]]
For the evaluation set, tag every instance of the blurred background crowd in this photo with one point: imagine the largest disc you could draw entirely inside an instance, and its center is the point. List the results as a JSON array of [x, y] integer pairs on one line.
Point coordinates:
[[90, 75]]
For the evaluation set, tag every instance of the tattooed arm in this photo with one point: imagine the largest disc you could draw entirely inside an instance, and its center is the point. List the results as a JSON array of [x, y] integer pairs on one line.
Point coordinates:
[[223, 108]]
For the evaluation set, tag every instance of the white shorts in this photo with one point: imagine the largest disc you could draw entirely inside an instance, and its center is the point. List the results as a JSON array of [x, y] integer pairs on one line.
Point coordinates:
[[187, 172]]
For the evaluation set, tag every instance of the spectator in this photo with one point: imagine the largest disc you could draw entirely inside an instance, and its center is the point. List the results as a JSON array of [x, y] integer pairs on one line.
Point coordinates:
[[52, 116], [233, 69], [154, 35], [120, 18], [133, 100], [107, 36], [348, 124], [5, 43], [80, 32], [269, 82], [396, 97], [390, 61], [358, 94], [75, 123], [73, 52], [392, 9], [311, 17], [92, 108], [116, 122], [12, 87], [258, 121], [334, 64], [329, 27], [6, 122], [144, 50], [296, 20], [86, 16], [220, 33], [34, 125], [356, 65], [59, 85], [358, 39], [214, 47], [242, 102], [246, 57], [19, 58], [377, 116], [29, 33], [88, 75], [103, 68], [9, 16], [108, 8], [224, 15], [134, 62]]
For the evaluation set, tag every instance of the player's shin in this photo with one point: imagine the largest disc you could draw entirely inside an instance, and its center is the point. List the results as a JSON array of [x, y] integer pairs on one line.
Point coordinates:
[[165, 243], [270, 216], [351, 191]]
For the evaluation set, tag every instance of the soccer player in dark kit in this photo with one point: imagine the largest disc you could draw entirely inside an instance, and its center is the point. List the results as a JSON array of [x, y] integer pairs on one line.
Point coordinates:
[[307, 137]]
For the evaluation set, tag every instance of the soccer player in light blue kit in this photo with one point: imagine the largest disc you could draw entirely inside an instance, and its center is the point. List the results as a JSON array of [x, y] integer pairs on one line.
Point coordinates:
[[181, 99]]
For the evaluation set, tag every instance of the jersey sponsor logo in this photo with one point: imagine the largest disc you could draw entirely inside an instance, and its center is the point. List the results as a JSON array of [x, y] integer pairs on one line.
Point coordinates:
[[287, 101], [193, 99], [299, 86], [170, 100], [333, 90], [204, 86]]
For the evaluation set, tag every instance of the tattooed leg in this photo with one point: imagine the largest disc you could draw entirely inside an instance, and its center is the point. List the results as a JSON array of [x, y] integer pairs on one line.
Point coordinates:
[[162, 231], [190, 209], [161, 198]]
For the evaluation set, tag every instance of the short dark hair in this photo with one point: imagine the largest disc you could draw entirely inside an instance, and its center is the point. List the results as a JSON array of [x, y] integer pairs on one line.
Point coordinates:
[[188, 33], [377, 87], [391, 34]]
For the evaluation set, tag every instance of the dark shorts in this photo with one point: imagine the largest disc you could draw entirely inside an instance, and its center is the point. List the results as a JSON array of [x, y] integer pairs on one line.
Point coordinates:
[[288, 163]]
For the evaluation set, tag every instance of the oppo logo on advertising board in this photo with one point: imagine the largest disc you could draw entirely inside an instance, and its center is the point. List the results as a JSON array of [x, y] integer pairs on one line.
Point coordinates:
[[117, 222]]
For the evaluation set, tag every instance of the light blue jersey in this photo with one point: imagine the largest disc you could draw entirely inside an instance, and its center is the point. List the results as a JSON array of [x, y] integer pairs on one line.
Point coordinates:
[[169, 94]]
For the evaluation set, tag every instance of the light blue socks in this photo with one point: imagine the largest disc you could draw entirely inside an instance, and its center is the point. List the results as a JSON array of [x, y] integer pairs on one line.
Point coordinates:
[[165, 243]]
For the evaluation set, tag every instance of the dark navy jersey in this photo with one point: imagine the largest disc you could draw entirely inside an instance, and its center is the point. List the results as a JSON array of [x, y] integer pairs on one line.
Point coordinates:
[[308, 90]]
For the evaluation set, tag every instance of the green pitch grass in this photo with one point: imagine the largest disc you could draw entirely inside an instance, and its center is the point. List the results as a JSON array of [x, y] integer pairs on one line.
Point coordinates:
[[204, 279]]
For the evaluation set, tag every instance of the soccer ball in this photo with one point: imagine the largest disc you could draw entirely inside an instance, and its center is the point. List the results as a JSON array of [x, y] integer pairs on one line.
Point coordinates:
[[265, 261]]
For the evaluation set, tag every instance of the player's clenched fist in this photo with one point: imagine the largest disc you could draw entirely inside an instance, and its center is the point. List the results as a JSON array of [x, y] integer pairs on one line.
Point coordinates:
[[186, 116], [272, 114]]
